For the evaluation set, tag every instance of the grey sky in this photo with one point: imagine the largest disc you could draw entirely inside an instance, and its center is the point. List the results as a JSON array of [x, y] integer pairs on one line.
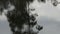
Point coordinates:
[[4, 26]]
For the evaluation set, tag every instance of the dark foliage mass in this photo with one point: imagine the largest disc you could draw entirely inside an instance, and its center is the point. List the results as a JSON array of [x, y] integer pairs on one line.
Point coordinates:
[[18, 16]]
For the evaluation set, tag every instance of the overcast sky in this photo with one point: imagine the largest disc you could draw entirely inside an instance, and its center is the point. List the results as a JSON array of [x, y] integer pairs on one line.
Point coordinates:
[[49, 19]]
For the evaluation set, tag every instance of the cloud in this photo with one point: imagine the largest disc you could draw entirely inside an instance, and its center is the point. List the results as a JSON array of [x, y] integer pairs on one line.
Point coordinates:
[[49, 19], [50, 11]]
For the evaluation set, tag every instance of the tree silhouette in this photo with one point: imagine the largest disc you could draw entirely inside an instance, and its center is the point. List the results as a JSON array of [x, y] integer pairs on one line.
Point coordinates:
[[20, 16]]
